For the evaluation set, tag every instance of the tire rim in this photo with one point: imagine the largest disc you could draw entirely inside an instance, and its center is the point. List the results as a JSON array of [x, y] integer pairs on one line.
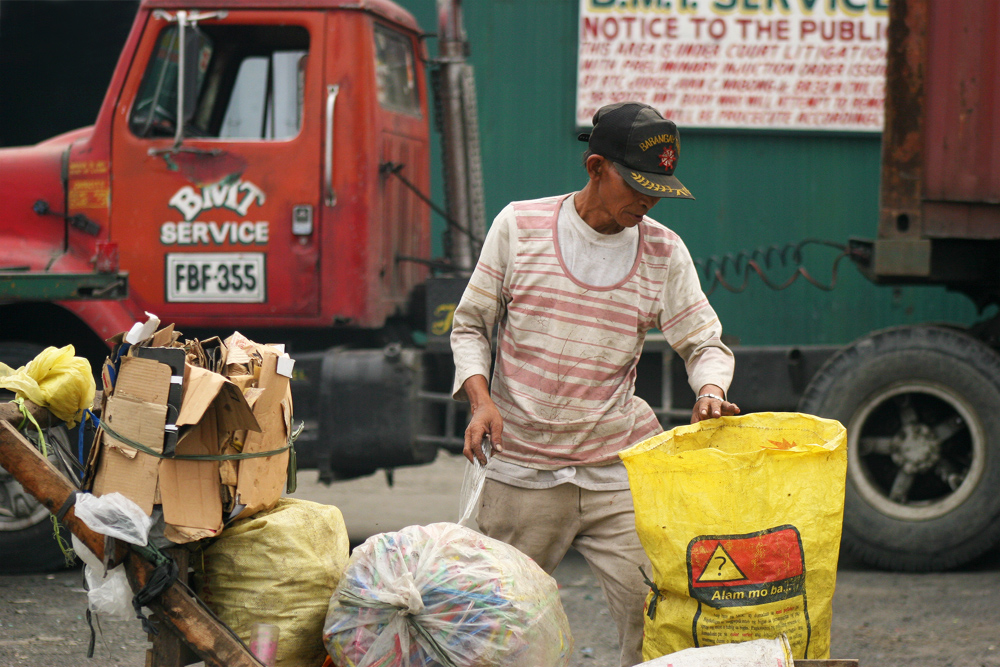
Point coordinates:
[[18, 508], [916, 450]]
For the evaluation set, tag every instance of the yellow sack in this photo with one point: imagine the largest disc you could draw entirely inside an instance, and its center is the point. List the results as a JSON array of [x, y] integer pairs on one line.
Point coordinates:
[[280, 567], [55, 379], [741, 519]]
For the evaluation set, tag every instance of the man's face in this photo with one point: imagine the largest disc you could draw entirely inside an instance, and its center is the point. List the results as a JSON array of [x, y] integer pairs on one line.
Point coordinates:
[[625, 204]]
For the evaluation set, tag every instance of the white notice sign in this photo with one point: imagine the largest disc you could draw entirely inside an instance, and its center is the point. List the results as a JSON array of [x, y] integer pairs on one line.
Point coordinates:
[[756, 64]]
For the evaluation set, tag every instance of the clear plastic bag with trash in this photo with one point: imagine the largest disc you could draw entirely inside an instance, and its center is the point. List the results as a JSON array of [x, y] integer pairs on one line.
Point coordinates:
[[108, 593], [114, 515], [445, 595]]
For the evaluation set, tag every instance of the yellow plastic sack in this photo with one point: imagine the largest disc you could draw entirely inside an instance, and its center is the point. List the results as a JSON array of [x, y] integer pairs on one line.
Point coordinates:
[[741, 519], [55, 379], [279, 566]]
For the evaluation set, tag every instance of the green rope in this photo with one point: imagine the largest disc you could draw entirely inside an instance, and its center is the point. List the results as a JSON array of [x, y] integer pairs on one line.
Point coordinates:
[[191, 457], [292, 472], [64, 546]]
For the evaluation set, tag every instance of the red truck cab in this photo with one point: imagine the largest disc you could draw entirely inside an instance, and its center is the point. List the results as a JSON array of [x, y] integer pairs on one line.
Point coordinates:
[[269, 209]]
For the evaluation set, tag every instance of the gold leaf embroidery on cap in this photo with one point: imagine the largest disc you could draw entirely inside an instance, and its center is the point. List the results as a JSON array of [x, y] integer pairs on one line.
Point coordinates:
[[656, 187]]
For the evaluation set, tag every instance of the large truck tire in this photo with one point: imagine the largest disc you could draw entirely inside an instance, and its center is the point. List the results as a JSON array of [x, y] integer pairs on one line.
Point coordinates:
[[27, 541], [922, 411]]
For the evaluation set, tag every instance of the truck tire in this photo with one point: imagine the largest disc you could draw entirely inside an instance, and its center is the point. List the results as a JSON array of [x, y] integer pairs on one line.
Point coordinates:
[[922, 410], [26, 532]]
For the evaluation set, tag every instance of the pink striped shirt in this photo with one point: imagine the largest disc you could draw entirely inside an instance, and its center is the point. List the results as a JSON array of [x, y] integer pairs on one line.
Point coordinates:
[[564, 378]]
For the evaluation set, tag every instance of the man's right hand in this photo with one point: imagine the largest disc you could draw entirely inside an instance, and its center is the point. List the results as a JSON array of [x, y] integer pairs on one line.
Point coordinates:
[[486, 420]]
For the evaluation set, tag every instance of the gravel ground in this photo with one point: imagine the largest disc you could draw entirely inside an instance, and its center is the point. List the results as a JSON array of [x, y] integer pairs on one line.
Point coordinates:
[[883, 619]]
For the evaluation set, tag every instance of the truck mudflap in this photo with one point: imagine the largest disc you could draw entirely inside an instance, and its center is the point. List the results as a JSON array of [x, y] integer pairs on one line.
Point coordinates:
[[362, 410]]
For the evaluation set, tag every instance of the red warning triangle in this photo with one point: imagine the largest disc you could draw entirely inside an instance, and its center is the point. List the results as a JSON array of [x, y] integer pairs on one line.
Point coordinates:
[[720, 567]]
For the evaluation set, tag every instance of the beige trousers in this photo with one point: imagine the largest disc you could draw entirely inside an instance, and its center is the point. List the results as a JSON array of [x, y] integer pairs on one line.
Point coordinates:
[[545, 523]]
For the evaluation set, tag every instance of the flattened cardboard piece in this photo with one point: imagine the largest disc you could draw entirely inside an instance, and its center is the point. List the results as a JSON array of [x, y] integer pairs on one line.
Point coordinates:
[[243, 381], [122, 468], [164, 337], [143, 379], [245, 356], [253, 394], [136, 420], [190, 489], [203, 389], [238, 341], [172, 358], [185, 534], [262, 480], [133, 478]]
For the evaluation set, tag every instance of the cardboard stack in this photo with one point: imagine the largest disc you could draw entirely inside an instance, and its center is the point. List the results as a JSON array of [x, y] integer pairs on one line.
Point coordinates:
[[193, 398]]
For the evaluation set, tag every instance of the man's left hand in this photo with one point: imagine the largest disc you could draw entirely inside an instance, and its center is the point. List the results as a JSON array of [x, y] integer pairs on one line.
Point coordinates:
[[712, 403]]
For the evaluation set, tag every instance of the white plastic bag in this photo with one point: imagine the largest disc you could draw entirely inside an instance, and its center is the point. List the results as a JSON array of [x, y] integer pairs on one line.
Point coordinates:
[[472, 486], [757, 653], [109, 595], [115, 515], [445, 595]]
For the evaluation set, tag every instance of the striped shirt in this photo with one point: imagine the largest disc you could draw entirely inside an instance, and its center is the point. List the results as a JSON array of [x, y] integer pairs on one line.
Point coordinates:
[[566, 351]]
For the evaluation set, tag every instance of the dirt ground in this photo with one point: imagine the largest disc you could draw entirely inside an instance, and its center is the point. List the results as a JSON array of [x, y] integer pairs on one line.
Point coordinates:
[[883, 619]]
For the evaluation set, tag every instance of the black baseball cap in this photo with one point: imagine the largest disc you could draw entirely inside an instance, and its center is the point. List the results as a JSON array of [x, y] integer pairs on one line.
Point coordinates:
[[642, 145]]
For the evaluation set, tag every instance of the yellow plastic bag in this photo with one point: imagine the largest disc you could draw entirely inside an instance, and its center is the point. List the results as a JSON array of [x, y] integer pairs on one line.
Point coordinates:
[[279, 566], [55, 379], [741, 519]]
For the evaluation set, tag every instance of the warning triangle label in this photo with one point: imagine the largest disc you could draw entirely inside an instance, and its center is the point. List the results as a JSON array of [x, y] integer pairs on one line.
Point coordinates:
[[720, 567]]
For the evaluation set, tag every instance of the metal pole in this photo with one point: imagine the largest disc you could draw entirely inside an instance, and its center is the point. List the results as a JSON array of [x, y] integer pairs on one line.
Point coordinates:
[[452, 48], [181, 37]]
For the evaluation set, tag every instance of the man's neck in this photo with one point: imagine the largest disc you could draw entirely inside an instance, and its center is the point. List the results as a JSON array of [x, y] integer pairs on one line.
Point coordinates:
[[592, 213]]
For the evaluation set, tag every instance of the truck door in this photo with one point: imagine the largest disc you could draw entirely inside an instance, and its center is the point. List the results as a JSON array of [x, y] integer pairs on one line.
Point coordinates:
[[376, 120], [220, 227]]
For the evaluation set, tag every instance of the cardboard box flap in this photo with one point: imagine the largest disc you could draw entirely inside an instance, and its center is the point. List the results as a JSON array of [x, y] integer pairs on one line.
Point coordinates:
[[165, 337], [239, 347], [190, 490], [121, 468], [242, 381], [262, 480], [204, 389], [143, 379]]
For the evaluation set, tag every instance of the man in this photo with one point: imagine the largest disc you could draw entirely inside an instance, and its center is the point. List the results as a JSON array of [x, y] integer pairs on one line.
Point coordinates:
[[575, 282]]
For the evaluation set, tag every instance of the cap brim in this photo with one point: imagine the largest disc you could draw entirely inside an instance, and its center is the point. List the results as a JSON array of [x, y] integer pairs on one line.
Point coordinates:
[[655, 185]]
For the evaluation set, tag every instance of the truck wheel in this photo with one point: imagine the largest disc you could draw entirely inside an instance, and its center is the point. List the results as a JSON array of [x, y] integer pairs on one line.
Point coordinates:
[[26, 538], [922, 410]]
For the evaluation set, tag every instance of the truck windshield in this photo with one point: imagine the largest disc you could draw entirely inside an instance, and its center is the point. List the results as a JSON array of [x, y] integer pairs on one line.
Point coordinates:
[[249, 84], [155, 110]]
